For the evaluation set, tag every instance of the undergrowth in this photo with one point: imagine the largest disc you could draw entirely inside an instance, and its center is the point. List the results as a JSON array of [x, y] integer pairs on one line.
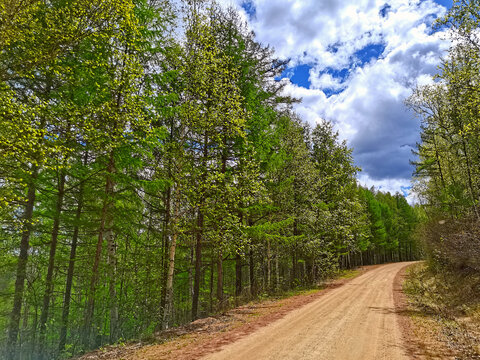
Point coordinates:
[[452, 299]]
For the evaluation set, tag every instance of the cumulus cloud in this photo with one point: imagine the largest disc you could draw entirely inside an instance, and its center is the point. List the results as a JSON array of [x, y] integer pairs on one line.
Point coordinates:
[[361, 93], [321, 80]]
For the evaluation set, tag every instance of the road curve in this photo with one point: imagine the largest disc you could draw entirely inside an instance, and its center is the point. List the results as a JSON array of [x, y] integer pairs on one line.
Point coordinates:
[[355, 321]]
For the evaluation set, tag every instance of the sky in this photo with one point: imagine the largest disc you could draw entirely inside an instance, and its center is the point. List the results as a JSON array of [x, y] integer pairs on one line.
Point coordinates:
[[353, 62]]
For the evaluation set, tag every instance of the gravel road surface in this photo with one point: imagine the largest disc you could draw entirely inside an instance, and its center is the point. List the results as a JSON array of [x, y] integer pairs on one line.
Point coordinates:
[[355, 321]]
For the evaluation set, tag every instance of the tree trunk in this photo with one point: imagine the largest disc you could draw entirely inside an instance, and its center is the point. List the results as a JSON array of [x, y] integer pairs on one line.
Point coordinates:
[[21, 267], [199, 234], [71, 266], [252, 272], [269, 266], [198, 265], [238, 275], [171, 264], [111, 252], [469, 175], [439, 164], [294, 255], [294, 268], [220, 280], [190, 273], [277, 270], [166, 249], [105, 215], [309, 270], [24, 330], [112, 279], [212, 271], [51, 264], [34, 329]]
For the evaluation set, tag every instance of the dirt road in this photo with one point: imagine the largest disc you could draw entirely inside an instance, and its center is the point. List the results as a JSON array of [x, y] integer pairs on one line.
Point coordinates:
[[355, 321]]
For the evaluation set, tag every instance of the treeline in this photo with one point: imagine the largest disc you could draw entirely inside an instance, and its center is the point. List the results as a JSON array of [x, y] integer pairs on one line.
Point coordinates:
[[392, 223], [448, 184], [152, 172], [448, 169]]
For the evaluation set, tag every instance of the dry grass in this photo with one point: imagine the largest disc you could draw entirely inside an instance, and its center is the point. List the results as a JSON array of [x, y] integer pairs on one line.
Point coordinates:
[[449, 302]]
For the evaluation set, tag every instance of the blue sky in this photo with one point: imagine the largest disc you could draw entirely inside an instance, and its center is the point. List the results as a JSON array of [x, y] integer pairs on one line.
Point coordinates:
[[353, 63], [300, 74]]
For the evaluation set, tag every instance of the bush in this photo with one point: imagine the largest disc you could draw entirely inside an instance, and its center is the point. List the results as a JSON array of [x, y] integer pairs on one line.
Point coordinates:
[[453, 243]]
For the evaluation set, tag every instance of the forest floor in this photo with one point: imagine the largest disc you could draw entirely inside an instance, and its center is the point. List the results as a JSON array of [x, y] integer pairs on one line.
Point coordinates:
[[445, 311], [361, 316]]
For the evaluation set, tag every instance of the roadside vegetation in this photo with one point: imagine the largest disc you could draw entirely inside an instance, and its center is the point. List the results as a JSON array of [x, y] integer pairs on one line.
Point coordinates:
[[446, 306], [448, 183]]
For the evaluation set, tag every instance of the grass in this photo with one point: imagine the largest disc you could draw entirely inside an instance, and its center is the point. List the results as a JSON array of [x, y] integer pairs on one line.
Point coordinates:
[[348, 274], [306, 290], [340, 274]]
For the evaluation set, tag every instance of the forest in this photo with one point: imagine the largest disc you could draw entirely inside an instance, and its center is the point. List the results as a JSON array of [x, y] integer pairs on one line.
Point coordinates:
[[153, 172], [447, 176]]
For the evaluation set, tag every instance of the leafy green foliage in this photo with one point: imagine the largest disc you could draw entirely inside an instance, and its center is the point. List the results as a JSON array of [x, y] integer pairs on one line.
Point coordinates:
[[447, 170]]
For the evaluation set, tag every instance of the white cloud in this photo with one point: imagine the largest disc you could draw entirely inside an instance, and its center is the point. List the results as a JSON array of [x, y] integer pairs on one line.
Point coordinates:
[[369, 112], [321, 80], [392, 186]]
